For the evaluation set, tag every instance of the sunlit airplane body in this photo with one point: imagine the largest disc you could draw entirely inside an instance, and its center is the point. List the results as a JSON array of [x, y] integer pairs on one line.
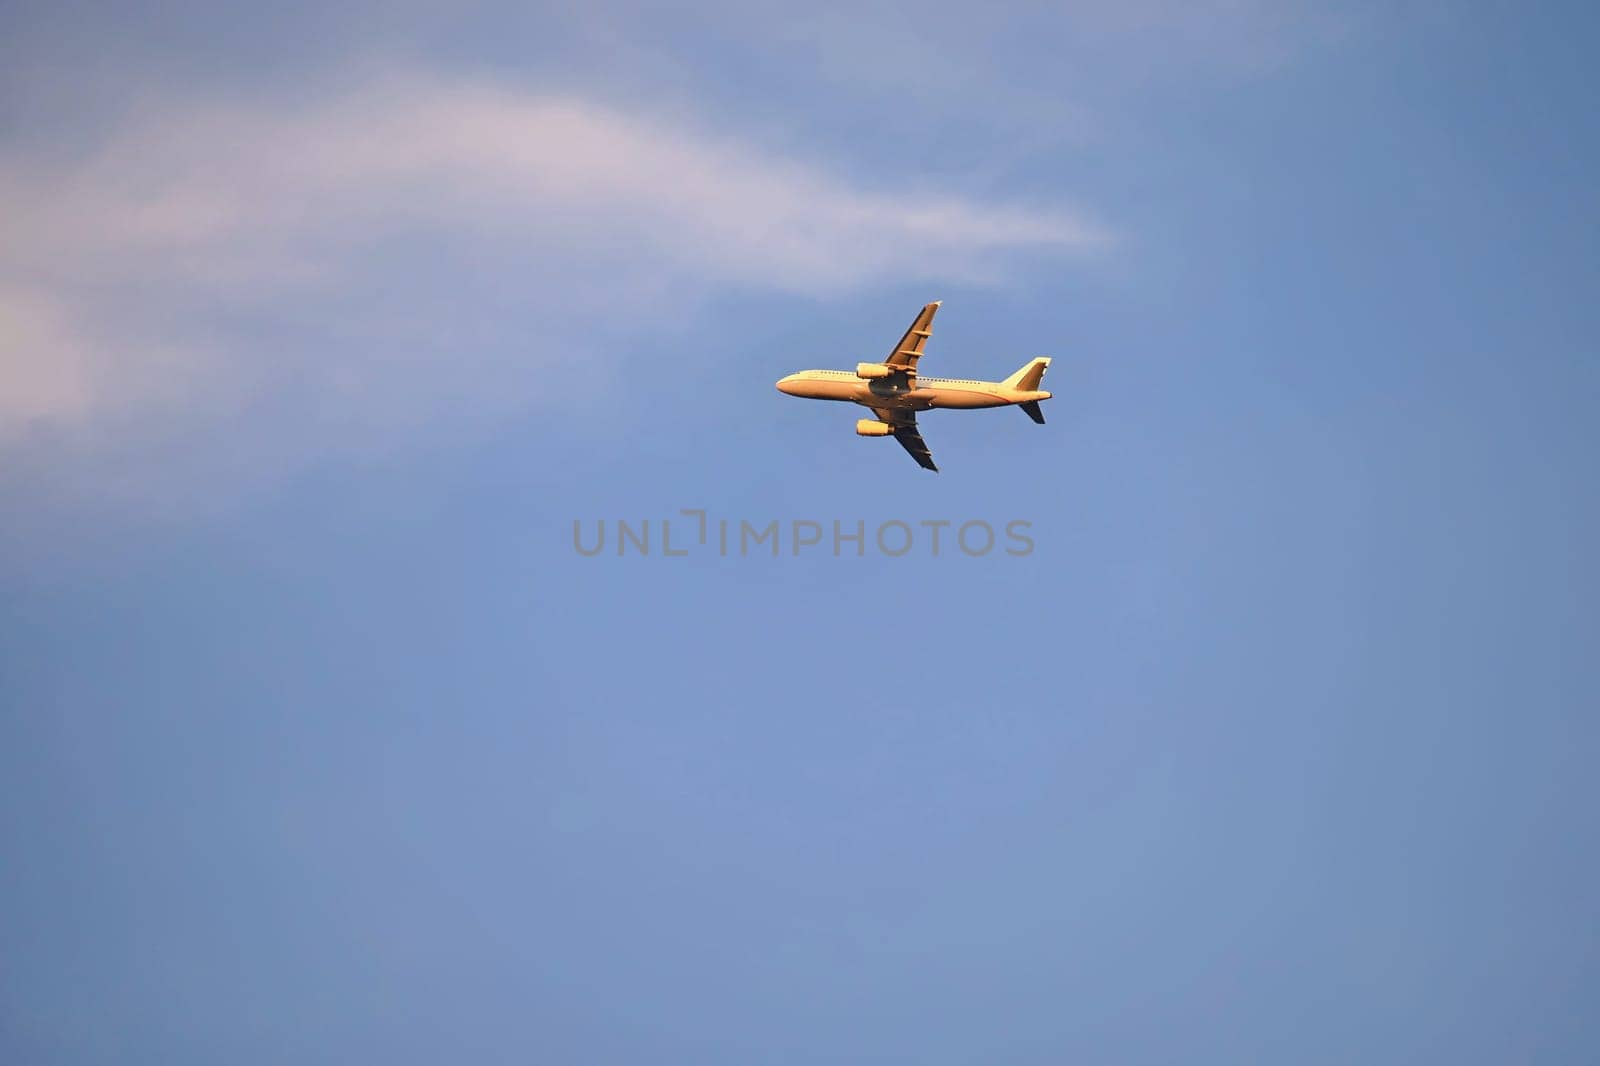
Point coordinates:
[[895, 392]]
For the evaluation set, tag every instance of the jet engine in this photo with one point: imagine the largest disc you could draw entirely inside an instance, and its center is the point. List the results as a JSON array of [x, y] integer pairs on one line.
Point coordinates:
[[870, 427], [872, 370]]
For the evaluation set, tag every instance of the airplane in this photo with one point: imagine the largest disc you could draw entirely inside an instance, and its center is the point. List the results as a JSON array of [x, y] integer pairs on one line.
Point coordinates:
[[895, 392]]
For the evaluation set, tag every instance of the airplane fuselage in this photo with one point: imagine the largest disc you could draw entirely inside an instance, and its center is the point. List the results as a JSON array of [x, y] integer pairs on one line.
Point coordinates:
[[923, 394]]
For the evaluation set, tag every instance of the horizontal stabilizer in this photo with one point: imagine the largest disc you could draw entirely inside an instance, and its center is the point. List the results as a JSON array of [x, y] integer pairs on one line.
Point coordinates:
[[1031, 407]]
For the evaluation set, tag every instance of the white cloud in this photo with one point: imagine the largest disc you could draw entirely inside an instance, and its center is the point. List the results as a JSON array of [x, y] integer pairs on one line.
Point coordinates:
[[188, 212], [313, 275], [31, 386]]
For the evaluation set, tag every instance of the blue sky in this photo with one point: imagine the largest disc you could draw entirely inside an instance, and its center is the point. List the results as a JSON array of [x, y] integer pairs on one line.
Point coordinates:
[[318, 331]]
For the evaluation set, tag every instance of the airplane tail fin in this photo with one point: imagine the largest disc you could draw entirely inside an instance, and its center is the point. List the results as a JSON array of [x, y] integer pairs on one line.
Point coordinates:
[[1027, 379]]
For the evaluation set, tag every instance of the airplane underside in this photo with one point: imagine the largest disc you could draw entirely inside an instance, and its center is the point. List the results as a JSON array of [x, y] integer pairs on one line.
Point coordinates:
[[894, 392]]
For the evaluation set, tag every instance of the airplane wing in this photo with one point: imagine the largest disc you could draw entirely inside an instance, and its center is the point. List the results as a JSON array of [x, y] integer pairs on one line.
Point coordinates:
[[907, 433], [909, 350]]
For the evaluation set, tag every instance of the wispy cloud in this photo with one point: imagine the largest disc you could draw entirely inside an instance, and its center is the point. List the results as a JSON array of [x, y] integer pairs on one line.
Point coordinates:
[[190, 218], [43, 360]]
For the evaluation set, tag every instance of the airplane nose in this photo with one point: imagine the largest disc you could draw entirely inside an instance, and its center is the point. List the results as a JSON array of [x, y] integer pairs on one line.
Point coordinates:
[[786, 385]]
